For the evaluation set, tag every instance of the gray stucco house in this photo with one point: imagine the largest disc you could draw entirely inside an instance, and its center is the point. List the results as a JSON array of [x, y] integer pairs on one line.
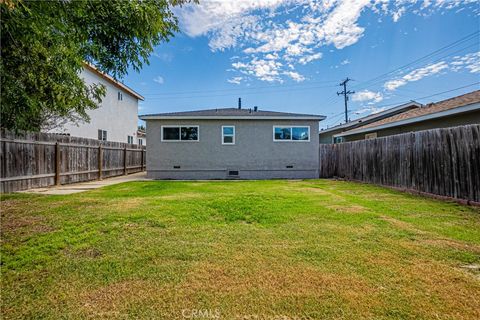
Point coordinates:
[[232, 143]]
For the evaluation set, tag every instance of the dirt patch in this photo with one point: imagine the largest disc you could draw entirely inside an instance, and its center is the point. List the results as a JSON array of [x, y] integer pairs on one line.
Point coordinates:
[[113, 298], [348, 208], [24, 224]]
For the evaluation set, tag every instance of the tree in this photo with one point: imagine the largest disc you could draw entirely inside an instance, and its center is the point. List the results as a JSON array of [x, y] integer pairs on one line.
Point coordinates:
[[44, 45]]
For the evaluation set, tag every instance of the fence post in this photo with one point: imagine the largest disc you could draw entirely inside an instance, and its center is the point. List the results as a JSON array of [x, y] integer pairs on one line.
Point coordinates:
[[100, 161], [57, 163], [125, 160], [141, 159]]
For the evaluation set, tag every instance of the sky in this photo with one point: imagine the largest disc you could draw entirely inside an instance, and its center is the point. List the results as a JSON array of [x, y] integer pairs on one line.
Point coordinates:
[[291, 55]]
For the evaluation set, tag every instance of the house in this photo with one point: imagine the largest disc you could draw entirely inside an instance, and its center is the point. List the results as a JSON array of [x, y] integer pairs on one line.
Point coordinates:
[[141, 137], [116, 118], [327, 135], [456, 111], [232, 143]]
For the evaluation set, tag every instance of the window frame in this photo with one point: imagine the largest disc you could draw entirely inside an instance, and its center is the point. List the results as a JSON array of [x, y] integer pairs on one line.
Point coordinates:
[[179, 126], [291, 133], [228, 135], [129, 139], [103, 133]]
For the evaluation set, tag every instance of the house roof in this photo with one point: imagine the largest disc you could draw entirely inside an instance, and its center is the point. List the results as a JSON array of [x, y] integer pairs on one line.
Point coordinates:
[[464, 103], [116, 83], [373, 117], [232, 113]]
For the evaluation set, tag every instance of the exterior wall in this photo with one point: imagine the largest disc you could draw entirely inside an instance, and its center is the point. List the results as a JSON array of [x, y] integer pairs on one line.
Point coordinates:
[[327, 137], [445, 122], [255, 155], [118, 118]]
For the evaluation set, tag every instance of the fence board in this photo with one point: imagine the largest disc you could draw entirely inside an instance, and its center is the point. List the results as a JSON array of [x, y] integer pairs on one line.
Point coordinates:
[[442, 161], [28, 160]]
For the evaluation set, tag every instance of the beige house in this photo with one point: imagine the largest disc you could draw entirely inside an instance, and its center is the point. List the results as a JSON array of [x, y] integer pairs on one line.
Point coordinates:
[[456, 111]]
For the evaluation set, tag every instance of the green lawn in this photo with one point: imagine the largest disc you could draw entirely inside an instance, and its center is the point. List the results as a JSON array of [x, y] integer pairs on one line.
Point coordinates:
[[243, 250]]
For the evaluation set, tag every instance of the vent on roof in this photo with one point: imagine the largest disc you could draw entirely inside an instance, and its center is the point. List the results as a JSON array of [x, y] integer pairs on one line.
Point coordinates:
[[176, 167], [255, 108]]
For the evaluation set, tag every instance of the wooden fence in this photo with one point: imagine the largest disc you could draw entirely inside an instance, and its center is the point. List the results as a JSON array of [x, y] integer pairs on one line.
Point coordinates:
[[444, 162], [35, 160]]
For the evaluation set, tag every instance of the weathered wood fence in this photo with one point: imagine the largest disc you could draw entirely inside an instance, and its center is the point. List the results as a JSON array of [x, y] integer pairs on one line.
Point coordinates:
[[35, 160], [444, 162]]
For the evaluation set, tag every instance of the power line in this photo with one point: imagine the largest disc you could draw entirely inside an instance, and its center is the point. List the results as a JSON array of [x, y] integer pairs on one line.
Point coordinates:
[[345, 95], [453, 44], [238, 89], [241, 93]]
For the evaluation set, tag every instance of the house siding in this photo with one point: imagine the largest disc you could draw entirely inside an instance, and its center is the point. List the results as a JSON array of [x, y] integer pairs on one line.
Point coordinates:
[[255, 155], [118, 118]]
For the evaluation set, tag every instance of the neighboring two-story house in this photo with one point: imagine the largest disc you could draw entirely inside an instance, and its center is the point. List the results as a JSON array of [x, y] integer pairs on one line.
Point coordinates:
[[232, 143], [116, 119]]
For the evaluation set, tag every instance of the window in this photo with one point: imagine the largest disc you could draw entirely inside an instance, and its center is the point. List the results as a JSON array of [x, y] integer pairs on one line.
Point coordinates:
[[102, 135], [140, 142], [120, 96], [180, 133], [130, 139], [228, 134], [291, 133]]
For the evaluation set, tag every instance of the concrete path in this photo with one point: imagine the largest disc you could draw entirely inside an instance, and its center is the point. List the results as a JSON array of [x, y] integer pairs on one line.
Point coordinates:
[[90, 185]]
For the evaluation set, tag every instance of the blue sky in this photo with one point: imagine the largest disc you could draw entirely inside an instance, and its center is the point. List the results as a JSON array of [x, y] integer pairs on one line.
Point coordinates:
[[290, 55]]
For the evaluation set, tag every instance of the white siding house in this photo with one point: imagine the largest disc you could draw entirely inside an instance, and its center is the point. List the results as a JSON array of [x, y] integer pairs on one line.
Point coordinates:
[[116, 119]]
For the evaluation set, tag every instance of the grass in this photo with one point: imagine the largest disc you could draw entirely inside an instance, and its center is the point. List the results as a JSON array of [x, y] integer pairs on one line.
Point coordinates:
[[239, 250]]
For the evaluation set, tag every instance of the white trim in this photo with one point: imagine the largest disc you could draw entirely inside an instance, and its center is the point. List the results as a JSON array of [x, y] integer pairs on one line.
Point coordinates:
[[375, 117], [228, 135], [154, 117], [180, 132], [436, 115], [118, 84], [291, 134]]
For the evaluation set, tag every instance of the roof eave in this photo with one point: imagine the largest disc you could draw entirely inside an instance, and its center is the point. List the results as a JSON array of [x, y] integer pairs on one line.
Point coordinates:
[[113, 81], [410, 105], [436, 115]]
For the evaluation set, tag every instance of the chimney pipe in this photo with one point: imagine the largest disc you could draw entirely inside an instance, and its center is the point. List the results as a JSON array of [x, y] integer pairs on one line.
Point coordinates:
[[239, 103], [255, 108]]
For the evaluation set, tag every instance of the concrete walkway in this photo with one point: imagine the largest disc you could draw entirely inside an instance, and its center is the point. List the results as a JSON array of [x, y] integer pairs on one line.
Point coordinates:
[[90, 185]]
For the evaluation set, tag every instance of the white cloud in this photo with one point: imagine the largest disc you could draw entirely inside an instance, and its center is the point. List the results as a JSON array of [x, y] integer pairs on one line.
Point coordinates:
[[159, 80], [344, 62], [295, 76], [306, 59], [470, 61], [290, 32], [164, 56], [370, 110], [416, 75], [235, 80], [367, 95], [265, 70]]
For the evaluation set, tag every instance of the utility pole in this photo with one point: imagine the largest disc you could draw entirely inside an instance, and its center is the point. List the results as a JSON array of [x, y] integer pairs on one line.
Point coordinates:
[[345, 95]]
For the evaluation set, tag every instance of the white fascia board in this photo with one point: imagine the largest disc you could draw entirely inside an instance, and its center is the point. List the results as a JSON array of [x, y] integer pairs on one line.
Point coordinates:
[[441, 114]]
